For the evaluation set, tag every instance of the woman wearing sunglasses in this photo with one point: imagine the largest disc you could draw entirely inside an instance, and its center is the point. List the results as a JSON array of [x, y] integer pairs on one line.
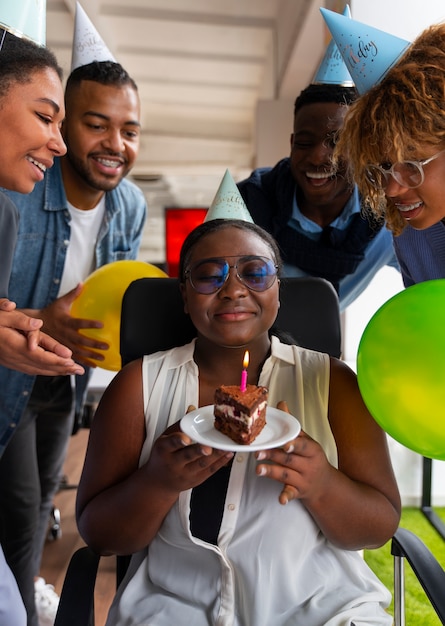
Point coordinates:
[[394, 139], [261, 538]]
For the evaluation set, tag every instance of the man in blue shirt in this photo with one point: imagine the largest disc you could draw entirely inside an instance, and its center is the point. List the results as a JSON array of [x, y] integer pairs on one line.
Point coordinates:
[[83, 215], [313, 210]]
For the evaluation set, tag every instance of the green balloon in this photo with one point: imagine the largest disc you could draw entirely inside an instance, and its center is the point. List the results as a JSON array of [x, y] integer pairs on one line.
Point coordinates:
[[401, 368]]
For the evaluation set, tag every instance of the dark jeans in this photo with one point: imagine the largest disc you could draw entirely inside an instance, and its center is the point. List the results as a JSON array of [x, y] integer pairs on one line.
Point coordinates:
[[30, 473]]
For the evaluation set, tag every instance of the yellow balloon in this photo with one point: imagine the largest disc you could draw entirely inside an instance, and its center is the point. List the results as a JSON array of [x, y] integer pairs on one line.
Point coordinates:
[[101, 299]]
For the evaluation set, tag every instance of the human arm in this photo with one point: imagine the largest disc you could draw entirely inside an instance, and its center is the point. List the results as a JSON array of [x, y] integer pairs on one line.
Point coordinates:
[[60, 324], [25, 348], [120, 506], [358, 504]]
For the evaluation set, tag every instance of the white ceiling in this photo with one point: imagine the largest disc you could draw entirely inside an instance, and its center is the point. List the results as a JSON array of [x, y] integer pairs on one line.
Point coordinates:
[[201, 67]]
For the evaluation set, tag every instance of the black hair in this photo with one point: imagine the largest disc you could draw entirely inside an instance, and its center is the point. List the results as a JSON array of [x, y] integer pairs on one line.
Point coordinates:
[[314, 93], [107, 73], [20, 59], [215, 225]]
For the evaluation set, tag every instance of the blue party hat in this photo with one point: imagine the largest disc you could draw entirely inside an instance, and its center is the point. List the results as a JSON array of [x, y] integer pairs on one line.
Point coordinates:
[[228, 203], [24, 18], [332, 70], [368, 52], [88, 45]]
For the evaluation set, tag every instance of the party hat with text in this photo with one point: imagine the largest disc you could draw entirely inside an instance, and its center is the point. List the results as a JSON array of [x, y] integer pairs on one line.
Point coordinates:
[[88, 45], [332, 70], [228, 203], [368, 52], [24, 18]]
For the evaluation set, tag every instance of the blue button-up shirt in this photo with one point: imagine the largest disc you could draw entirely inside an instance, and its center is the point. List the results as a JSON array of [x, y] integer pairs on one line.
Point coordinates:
[[379, 252], [39, 259], [270, 196]]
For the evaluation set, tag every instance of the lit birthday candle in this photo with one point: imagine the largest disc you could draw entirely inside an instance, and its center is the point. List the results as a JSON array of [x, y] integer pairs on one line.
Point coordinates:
[[243, 384]]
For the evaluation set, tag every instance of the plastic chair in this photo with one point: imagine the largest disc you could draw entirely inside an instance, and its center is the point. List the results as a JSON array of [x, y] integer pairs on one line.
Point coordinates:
[[76, 606], [309, 311], [430, 574], [153, 319]]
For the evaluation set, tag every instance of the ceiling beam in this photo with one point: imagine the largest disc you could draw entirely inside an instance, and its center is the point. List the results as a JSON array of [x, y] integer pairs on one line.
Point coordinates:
[[166, 15]]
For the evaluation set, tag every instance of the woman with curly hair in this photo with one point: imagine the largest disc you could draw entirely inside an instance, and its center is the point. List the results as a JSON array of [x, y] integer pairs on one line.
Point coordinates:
[[394, 140]]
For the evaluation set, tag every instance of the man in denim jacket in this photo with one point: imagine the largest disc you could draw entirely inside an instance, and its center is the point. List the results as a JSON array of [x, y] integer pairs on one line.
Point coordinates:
[[83, 215]]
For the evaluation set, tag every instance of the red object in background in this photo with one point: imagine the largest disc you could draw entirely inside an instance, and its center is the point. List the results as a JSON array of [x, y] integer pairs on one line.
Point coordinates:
[[178, 224]]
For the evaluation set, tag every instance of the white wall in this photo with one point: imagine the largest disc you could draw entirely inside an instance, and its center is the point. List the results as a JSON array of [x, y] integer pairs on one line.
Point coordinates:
[[274, 125], [403, 18]]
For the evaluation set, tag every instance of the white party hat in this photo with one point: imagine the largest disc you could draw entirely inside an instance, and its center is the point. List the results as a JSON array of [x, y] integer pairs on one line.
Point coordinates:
[[228, 203], [88, 45], [24, 18], [332, 70], [368, 52]]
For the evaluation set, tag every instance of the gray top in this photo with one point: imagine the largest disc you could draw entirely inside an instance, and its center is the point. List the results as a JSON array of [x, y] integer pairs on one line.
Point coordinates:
[[9, 223]]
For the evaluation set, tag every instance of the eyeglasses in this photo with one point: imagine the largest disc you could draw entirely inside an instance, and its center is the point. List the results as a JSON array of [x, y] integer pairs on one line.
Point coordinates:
[[255, 272], [406, 173]]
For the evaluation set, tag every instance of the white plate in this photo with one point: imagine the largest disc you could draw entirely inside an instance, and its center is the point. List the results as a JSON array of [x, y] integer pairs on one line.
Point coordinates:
[[279, 429]]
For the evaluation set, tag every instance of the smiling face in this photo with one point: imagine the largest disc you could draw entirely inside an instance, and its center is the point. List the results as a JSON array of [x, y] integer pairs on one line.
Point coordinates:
[[422, 206], [102, 132], [235, 315], [322, 191], [31, 114]]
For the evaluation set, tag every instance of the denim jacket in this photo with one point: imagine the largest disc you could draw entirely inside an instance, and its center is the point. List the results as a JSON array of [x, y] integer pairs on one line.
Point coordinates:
[[43, 238]]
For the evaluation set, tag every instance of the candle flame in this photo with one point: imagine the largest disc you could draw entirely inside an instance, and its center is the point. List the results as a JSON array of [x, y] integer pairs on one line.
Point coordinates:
[[246, 359]]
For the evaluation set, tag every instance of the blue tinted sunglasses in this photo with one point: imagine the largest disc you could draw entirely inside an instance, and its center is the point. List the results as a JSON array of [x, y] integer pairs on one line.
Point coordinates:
[[209, 275]]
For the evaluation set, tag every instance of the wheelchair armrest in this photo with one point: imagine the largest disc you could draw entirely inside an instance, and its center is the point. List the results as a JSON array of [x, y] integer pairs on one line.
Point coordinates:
[[76, 604], [425, 566]]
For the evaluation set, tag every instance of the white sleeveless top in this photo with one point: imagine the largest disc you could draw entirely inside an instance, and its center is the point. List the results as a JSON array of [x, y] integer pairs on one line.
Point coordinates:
[[272, 565]]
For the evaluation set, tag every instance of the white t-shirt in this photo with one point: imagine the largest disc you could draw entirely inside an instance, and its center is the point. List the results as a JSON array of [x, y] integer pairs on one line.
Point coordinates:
[[272, 564], [80, 259]]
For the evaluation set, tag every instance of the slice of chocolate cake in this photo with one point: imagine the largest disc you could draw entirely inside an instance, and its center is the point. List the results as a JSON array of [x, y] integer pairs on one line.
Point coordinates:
[[241, 415]]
